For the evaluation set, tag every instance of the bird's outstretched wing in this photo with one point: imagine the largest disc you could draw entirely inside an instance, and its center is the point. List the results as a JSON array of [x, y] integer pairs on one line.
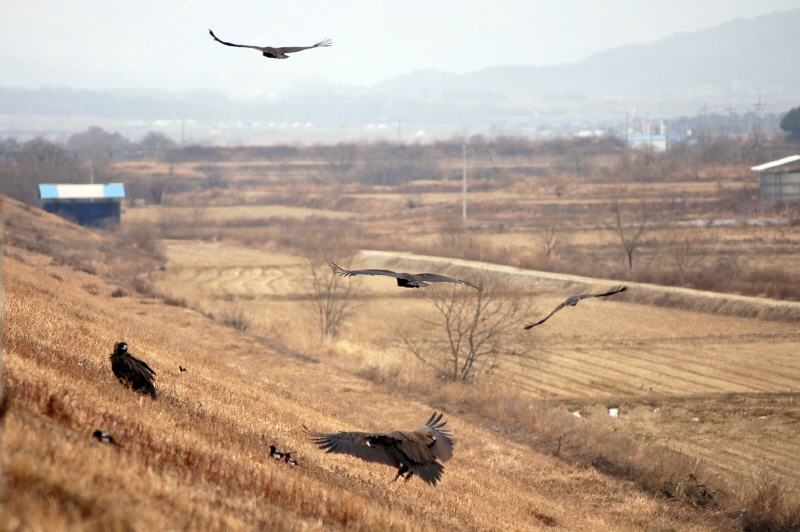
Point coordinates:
[[532, 325], [412, 277], [260, 48], [363, 445], [436, 278], [572, 301], [350, 273], [291, 49], [610, 293], [442, 448]]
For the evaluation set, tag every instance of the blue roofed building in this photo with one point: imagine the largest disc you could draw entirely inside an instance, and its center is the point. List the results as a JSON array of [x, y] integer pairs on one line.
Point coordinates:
[[90, 205]]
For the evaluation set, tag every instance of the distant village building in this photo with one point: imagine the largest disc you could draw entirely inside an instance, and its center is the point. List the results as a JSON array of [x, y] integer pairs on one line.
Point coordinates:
[[90, 205], [780, 180], [648, 134]]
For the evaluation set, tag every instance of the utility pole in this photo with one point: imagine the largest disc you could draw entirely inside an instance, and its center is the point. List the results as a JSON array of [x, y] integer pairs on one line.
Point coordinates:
[[464, 182], [627, 131], [759, 107], [730, 118], [705, 123]]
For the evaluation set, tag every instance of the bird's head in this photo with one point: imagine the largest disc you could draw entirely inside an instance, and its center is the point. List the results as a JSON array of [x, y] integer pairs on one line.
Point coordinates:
[[120, 348]]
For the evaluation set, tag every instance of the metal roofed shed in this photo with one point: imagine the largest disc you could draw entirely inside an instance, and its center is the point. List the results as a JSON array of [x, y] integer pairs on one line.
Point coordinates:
[[780, 179], [90, 205]]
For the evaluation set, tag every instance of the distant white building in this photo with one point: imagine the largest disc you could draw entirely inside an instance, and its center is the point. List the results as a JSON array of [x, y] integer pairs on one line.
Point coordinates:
[[779, 180], [648, 134]]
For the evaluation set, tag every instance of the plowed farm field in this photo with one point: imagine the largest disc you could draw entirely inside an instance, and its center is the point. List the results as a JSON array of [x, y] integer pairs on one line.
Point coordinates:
[[724, 389]]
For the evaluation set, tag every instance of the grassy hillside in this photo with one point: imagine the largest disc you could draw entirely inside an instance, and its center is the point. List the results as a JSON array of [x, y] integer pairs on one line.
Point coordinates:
[[197, 456]]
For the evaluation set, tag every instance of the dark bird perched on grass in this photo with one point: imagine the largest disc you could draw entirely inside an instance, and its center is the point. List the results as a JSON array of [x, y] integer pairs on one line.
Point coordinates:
[[406, 280], [132, 371], [181, 368], [573, 300], [416, 452], [275, 453], [104, 437], [275, 53]]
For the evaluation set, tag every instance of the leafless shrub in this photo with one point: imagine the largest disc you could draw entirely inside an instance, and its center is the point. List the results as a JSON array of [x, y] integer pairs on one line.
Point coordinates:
[[768, 508], [473, 331], [119, 292], [333, 296], [630, 234], [141, 236], [175, 301], [551, 238], [143, 286], [159, 185], [688, 249], [453, 238], [236, 318]]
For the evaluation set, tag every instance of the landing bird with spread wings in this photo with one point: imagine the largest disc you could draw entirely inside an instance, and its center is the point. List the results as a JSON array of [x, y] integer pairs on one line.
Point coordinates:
[[276, 53], [131, 371], [415, 452], [572, 301], [406, 280]]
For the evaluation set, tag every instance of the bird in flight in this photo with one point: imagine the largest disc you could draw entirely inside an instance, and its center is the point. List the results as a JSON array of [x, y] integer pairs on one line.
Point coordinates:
[[275, 53], [132, 371], [406, 280], [415, 452], [572, 301]]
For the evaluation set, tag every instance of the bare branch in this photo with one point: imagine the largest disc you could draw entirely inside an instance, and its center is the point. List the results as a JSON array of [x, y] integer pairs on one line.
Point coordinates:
[[473, 331]]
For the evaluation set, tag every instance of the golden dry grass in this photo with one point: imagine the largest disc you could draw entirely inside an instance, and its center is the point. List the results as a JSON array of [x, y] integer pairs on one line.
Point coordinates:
[[693, 376], [195, 457]]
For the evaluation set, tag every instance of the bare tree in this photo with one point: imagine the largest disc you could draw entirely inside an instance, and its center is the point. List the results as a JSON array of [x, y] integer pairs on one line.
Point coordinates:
[[551, 238], [159, 185], [333, 296], [631, 235], [688, 249], [472, 332]]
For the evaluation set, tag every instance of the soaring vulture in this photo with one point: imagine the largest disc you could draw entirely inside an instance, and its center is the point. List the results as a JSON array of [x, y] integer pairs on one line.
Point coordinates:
[[132, 371], [406, 280], [573, 300], [276, 53], [412, 452]]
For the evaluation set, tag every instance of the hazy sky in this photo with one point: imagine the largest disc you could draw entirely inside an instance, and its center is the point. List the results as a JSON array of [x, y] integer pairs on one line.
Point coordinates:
[[165, 44]]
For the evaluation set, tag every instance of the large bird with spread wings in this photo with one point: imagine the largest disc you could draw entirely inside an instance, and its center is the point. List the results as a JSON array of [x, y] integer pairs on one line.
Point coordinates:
[[131, 371], [275, 53], [415, 452], [572, 301], [406, 280]]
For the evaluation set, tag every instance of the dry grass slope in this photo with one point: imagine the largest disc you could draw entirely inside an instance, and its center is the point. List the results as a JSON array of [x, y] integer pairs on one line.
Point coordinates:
[[195, 458]]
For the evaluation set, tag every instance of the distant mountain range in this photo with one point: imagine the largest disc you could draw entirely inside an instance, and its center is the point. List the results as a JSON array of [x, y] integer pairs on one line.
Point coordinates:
[[731, 63]]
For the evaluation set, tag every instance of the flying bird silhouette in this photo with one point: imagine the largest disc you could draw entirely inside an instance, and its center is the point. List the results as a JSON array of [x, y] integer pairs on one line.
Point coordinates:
[[416, 452], [132, 371], [275, 53], [572, 301], [406, 280]]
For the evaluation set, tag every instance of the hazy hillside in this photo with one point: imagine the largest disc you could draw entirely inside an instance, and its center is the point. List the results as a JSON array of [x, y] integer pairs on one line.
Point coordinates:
[[739, 56], [733, 62]]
